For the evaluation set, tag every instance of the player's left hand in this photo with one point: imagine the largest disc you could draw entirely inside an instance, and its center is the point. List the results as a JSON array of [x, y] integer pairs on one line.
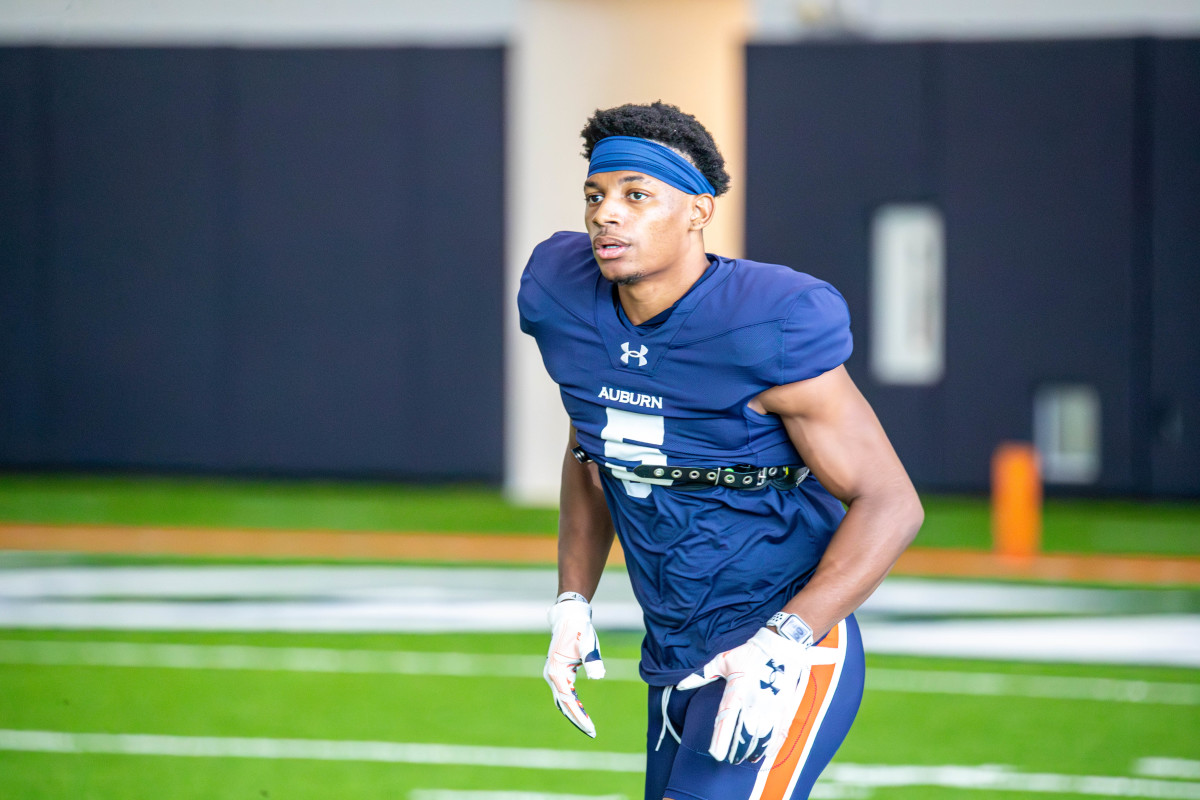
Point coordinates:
[[762, 677], [573, 644]]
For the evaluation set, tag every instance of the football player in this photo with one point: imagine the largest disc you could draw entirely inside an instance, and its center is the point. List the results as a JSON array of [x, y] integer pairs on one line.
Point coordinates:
[[715, 430]]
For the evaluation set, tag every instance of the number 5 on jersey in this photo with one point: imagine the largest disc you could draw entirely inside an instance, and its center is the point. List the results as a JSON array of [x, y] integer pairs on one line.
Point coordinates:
[[629, 436]]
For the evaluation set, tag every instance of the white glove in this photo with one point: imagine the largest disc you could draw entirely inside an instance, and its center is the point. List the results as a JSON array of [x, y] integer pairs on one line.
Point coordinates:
[[573, 642], [762, 678]]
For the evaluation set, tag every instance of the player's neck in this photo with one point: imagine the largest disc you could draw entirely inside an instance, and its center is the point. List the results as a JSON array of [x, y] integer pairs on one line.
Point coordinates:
[[654, 294]]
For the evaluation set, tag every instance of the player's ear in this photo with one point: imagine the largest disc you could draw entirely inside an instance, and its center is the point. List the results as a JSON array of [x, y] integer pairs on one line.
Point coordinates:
[[702, 211]]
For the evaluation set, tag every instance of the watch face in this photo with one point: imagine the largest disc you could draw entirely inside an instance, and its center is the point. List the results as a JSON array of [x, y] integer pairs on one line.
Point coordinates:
[[796, 630]]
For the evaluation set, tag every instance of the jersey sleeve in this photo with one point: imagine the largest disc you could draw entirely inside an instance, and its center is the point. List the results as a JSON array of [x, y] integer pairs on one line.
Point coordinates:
[[531, 302], [551, 284], [816, 335]]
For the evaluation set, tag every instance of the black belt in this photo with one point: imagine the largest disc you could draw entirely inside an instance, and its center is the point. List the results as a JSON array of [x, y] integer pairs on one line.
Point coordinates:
[[740, 476]]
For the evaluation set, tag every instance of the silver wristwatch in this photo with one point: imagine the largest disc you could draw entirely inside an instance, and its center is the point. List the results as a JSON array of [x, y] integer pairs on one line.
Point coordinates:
[[789, 626]]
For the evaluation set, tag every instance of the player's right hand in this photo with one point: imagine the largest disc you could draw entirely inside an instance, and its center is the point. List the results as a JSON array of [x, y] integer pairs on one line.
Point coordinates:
[[573, 642], [762, 677]]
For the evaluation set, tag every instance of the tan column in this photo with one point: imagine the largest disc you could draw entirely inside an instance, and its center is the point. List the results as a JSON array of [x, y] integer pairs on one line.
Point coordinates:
[[568, 58]]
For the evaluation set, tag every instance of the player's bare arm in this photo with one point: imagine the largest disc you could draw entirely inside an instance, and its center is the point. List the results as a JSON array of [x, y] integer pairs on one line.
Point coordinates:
[[837, 433], [585, 529], [584, 539]]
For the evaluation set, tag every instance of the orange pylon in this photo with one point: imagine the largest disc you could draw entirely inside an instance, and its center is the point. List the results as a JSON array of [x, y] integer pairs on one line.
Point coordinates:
[[1016, 500]]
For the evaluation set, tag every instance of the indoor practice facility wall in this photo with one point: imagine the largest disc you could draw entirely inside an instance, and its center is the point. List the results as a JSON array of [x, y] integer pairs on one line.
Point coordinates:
[[252, 260], [1068, 177]]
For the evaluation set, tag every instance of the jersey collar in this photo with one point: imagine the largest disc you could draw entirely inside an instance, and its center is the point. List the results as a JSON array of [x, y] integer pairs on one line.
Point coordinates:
[[640, 349]]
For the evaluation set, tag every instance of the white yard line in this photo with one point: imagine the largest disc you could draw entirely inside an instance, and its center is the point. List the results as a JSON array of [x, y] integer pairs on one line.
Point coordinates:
[[315, 659], [1159, 640], [1005, 779], [850, 776], [1185, 768], [319, 750]]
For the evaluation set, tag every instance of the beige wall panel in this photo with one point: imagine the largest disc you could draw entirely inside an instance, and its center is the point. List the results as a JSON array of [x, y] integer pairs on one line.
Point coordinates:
[[568, 58]]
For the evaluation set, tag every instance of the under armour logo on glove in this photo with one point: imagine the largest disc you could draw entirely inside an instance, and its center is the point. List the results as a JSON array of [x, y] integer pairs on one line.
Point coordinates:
[[639, 354], [769, 683], [762, 677]]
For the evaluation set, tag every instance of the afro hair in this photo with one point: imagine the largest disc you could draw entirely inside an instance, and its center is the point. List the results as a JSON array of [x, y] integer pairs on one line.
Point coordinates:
[[663, 123]]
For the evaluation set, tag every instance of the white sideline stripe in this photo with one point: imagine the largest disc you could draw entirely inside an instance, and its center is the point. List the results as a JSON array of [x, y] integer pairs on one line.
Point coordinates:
[[849, 775], [1001, 778], [318, 750], [1168, 768], [399, 662], [1047, 686], [448, 794], [432, 585], [285, 659], [464, 614], [1170, 640], [416, 584], [433, 599]]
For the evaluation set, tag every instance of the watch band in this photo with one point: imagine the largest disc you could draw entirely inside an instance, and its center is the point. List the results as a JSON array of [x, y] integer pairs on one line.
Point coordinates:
[[791, 627]]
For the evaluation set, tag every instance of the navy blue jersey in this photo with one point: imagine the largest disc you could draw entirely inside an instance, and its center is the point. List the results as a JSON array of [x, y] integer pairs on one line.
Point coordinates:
[[709, 566]]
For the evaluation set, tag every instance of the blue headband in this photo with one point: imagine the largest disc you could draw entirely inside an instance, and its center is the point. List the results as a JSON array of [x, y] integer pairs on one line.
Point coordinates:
[[631, 153]]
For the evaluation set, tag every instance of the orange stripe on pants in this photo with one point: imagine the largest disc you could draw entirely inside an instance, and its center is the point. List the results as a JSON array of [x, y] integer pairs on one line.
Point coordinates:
[[788, 762]]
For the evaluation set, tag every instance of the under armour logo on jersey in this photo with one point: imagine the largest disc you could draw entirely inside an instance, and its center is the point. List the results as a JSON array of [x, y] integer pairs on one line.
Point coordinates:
[[640, 354]]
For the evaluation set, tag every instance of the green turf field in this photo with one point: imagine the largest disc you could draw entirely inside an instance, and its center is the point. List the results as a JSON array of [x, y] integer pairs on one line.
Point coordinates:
[[263, 716], [1070, 525], [1067, 738]]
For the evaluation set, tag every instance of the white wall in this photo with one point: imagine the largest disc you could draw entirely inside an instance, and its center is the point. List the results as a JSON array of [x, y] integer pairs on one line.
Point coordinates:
[[257, 22], [974, 19], [299, 22]]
